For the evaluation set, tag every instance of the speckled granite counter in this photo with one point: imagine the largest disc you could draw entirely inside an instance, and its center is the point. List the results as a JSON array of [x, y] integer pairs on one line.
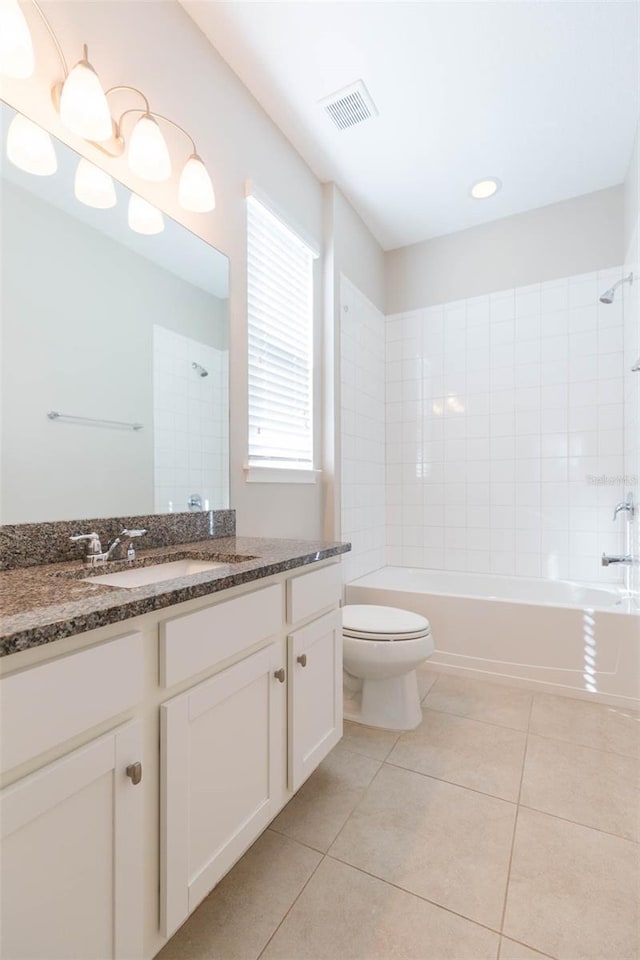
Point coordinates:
[[41, 604]]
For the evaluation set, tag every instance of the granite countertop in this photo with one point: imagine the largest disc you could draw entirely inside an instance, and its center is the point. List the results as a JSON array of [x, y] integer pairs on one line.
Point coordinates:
[[41, 604]]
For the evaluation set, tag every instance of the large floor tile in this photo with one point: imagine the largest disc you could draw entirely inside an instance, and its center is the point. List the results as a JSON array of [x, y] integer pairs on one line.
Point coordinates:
[[573, 891], [319, 809], [590, 724], [442, 842], [592, 787], [243, 911], [510, 950], [346, 915], [481, 700], [369, 741], [472, 754]]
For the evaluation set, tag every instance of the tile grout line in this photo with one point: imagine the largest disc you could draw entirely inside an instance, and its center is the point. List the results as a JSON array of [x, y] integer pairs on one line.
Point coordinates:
[[321, 861], [295, 900], [515, 824], [411, 893], [578, 823], [463, 716], [452, 783]]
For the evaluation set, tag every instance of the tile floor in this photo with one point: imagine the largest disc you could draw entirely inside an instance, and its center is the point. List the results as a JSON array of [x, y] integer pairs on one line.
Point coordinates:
[[505, 827]]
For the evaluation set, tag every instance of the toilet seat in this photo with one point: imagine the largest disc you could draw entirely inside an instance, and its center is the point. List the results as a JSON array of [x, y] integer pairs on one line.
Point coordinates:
[[364, 621]]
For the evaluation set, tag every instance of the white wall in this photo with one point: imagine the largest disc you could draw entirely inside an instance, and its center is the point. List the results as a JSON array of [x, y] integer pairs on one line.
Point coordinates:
[[78, 338], [562, 239], [350, 252], [362, 432], [358, 255], [505, 432], [155, 45]]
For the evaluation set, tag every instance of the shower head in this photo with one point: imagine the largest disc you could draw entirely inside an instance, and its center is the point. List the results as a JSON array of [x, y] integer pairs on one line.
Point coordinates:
[[609, 295], [200, 370]]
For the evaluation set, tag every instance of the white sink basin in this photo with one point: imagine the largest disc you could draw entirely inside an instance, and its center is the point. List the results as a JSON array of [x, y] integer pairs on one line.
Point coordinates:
[[143, 576]]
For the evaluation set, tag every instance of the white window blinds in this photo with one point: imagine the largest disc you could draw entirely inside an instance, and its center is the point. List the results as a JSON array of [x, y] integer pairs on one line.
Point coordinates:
[[280, 313]]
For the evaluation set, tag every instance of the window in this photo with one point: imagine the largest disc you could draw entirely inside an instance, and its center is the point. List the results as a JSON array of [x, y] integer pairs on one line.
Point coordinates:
[[280, 313]]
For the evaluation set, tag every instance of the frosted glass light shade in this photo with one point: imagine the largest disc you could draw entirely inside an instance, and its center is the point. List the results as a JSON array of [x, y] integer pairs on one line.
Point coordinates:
[[16, 48], [148, 154], [83, 105], [30, 148], [144, 217], [94, 186], [195, 190]]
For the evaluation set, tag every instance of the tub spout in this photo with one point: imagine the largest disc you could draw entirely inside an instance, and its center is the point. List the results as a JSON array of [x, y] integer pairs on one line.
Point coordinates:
[[626, 561]]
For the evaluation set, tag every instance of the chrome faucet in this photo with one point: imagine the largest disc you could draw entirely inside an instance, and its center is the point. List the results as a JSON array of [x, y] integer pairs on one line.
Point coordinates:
[[95, 556], [626, 506], [116, 550], [626, 561]]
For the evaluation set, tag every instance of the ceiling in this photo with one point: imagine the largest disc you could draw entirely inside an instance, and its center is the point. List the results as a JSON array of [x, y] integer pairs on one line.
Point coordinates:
[[543, 95]]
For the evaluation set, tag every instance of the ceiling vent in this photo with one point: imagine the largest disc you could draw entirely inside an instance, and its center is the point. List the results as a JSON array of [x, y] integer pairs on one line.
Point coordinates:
[[350, 106]]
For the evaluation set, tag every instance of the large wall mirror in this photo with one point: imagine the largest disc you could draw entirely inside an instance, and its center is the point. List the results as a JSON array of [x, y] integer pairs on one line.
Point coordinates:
[[115, 361]]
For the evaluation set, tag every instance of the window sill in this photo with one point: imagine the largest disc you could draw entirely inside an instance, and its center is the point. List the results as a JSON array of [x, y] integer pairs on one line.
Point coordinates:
[[256, 474]]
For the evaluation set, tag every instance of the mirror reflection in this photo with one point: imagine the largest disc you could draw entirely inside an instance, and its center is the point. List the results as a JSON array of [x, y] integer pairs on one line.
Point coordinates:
[[115, 360]]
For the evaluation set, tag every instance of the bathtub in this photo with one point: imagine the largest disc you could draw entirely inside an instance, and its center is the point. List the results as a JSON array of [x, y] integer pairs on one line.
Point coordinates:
[[569, 638]]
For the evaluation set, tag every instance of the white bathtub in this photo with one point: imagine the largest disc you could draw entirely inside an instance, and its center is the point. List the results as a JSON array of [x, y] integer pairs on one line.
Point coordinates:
[[569, 638]]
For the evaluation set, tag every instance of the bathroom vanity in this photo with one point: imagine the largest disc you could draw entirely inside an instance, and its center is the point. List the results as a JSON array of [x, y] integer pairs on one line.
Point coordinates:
[[148, 745]]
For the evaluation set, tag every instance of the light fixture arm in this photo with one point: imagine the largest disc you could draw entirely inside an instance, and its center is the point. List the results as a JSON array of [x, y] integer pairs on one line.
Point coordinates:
[[55, 40], [156, 116], [125, 86]]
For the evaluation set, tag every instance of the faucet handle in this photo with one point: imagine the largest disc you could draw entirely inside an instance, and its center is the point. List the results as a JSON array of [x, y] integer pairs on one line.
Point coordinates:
[[94, 547]]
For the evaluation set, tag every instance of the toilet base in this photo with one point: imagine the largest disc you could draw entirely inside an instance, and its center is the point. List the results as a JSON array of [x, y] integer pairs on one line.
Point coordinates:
[[392, 703]]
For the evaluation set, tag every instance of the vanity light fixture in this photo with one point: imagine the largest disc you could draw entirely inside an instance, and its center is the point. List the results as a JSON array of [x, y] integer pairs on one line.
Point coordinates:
[[83, 105], [16, 48], [484, 189], [143, 217], [30, 148], [148, 154], [84, 109], [94, 186], [195, 190]]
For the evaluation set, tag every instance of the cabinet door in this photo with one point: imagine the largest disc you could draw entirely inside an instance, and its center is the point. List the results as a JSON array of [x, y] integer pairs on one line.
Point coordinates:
[[315, 695], [72, 856], [222, 777]]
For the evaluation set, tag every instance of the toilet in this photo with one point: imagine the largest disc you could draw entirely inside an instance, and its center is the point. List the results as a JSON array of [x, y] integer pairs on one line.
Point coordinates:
[[382, 648]]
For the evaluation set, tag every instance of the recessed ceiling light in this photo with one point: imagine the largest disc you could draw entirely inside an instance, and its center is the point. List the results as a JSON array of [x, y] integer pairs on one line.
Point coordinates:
[[484, 189]]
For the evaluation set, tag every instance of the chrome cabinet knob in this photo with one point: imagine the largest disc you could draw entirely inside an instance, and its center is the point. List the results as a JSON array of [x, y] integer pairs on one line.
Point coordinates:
[[279, 674], [302, 659]]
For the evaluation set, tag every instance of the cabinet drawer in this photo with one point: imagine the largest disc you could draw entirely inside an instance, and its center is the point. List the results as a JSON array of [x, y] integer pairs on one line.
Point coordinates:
[[45, 705], [196, 641], [313, 592]]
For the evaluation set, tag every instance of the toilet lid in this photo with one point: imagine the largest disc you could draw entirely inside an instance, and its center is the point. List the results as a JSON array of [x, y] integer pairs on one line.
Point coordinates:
[[372, 620]]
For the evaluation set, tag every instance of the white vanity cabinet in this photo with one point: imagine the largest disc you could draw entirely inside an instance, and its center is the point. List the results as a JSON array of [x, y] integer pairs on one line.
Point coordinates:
[[315, 695], [237, 745], [222, 776], [71, 851], [228, 701], [71, 855]]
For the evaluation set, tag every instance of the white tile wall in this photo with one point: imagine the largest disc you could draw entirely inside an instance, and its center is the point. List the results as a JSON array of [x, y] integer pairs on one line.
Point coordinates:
[[191, 423], [362, 432], [631, 312], [505, 432]]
